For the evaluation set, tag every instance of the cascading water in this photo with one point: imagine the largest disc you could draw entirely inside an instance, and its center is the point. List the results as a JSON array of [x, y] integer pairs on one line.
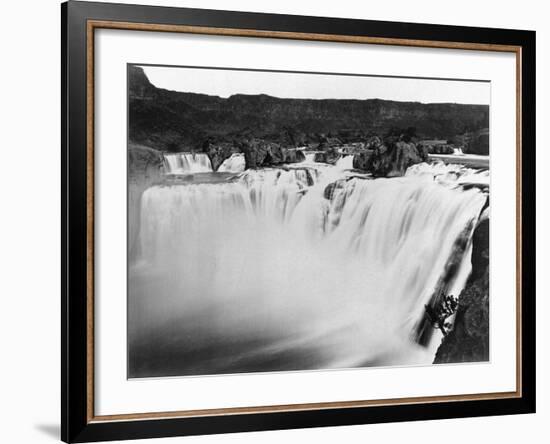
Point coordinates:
[[309, 156], [185, 163], [458, 152], [234, 164], [284, 269], [345, 162]]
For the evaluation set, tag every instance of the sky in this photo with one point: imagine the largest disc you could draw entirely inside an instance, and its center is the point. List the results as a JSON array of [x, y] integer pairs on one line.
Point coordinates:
[[224, 83]]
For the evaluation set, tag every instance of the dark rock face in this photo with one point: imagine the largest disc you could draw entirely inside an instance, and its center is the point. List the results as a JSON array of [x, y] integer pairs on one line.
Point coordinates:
[[361, 160], [219, 152], [469, 339], [293, 156], [329, 156], [393, 159], [177, 121], [259, 153], [139, 86], [144, 163], [438, 149], [479, 144]]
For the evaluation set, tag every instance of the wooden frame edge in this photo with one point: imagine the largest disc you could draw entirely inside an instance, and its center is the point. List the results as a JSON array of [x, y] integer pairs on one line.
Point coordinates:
[[91, 25]]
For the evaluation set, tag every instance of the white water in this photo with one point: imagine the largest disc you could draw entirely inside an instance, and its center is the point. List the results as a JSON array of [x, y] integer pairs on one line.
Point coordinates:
[[185, 163], [310, 157], [451, 174], [340, 282], [233, 164], [345, 162]]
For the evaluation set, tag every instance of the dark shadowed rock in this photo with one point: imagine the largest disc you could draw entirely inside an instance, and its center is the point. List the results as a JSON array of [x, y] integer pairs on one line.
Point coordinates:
[[392, 159], [437, 149], [139, 86], [469, 339], [293, 155], [360, 161], [330, 156], [479, 143], [144, 163], [260, 153]]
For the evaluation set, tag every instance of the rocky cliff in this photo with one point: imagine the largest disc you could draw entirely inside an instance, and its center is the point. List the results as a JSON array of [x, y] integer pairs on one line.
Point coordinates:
[[468, 341], [178, 121]]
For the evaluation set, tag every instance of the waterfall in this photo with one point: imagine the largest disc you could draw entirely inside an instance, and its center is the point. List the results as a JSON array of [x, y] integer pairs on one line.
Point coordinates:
[[310, 156], [233, 164], [284, 263], [458, 152], [345, 162], [185, 163]]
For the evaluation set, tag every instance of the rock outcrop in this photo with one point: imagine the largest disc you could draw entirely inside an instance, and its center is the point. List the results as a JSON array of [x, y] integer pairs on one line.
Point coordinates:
[[218, 152], [468, 341], [391, 159], [361, 160], [144, 163], [293, 155], [329, 156], [261, 153]]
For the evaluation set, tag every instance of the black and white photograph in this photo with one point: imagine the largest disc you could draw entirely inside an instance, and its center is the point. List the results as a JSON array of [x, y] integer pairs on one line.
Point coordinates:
[[298, 221]]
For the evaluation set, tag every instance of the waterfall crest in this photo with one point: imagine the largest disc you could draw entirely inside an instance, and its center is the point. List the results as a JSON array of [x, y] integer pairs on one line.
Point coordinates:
[[234, 164], [185, 163], [345, 162]]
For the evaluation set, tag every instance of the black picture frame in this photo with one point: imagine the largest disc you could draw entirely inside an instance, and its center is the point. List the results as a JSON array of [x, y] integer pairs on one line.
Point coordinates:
[[77, 425]]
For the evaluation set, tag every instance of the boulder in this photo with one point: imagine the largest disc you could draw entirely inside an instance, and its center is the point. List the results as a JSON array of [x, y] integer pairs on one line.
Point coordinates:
[[360, 160], [260, 153], [392, 159], [144, 163], [330, 156], [293, 155]]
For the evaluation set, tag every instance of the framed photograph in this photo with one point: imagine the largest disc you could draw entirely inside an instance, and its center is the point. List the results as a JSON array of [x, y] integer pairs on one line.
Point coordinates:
[[275, 221]]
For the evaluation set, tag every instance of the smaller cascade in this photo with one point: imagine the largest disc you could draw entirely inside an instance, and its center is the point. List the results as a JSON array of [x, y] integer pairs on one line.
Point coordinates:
[[187, 163], [310, 156], [233, 164], [458, 152], [345, 162]]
